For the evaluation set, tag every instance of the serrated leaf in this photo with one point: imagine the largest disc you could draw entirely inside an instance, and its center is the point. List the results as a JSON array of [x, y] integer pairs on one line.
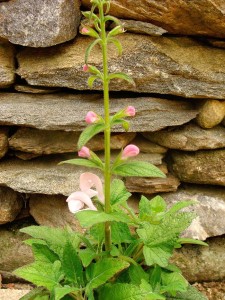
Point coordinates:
[[86, 256], [88, 133], [88, 218], [157, 255], [138, 168], [173, 282], [81, 162], [43, 254], [122, 76], [136, 274], [72, 266], [121, 233], [60, 292], [118, 193], [89, 48], [151, 210], [191, 294], [180, 205], [125, 291], [39, 291], [100, 272]]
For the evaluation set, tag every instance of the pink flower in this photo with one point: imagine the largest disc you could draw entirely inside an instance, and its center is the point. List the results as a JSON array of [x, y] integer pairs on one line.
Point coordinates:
[[77, 200], [85, 68], [84, 30], [129, 151], [130, 111], [91, 117], [84, 152]]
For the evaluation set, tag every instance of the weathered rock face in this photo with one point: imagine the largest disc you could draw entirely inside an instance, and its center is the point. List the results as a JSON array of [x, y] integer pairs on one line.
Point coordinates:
[[45, 210], [209, 207], [39, 24], [10, 205], [199, 263], [68, 111], [7, 69], [3, 141], [211, 113], [203, 167], [190, 137], [165, 65], [194, 17], [51, 142], [148, 147]]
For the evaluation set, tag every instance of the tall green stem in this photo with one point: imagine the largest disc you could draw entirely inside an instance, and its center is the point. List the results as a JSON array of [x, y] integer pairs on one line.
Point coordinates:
[[107, 133]]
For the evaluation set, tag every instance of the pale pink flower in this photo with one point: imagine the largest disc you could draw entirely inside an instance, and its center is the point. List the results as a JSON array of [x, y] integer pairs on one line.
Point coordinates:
[[84, 152], [91, 117], [129, 151], [130, 111], [77, 200], [84, 30], [85, 68]]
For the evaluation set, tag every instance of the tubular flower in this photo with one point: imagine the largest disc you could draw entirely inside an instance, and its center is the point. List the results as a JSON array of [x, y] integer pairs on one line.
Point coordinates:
[[130, 111], [129, 151], [84, 152], [91, 117], [77, 200]]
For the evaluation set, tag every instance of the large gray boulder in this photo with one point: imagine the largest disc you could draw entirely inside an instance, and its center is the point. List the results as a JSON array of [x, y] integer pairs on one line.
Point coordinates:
[[41, 23]]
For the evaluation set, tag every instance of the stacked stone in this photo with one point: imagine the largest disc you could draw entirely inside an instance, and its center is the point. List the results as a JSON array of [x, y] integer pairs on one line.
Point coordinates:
[[175, 54]]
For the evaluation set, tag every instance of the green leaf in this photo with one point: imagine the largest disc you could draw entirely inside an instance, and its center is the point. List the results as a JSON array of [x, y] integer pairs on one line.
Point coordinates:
[[33, 294], [60, 292], [81, 162], [111, 18], [88, 218], [91, 80], [191, 241], [89, 48], [121, 233], [100, 272], [43, 254], [41, 274], [125, 291], [191, 294], [157, 255], [173, 282], [155, 277], [117, 44], [118, 193], [122, 76], [86, 256], [89, 132], [136, 274], [137, 168], [180, 205], [72, 266], [152, 210]]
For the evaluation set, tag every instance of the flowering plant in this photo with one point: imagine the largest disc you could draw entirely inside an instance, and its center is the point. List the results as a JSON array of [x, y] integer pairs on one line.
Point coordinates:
[[122, 255]]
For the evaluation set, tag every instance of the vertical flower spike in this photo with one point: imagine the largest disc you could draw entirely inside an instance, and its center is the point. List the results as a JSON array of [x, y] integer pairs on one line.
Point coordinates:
[[84, 152], [129, 151]]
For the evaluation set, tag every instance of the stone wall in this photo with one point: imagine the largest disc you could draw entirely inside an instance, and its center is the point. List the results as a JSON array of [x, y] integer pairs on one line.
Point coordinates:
[[175, 54]]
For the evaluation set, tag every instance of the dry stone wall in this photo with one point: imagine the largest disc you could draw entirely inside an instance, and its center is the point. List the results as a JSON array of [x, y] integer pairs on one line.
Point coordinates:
[[174, 50]]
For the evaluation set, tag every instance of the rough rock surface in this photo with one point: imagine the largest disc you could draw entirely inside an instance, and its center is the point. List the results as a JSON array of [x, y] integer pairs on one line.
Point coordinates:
[[164, 65], [50, 142], [12, 294], [39, 23], [152, 185], [211, 113], [209, 207], [146, 146], [205, 17], [3, 141], [200, 263], [45, 210], [45, 176], [7, 69], [35, 89], [10, 205], [189, 137], [202, 167], [68, 111]]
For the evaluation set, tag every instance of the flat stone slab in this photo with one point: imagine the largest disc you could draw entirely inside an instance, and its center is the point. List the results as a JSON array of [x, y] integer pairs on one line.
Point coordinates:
[[202, 167], [3, 141], [12, 294], [7, 66], [68, 111], [39, 23], [190, 137], [180, 17], [164, 65]]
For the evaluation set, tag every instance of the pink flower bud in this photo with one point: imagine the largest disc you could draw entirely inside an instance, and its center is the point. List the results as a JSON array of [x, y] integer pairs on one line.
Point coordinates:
[[129, 151], [84, 152], [91, 117], [130, 111], [84, 30], [85, 68]]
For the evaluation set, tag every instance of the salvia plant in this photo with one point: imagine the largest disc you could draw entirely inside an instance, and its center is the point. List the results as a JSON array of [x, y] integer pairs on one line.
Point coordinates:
[[122, 255]]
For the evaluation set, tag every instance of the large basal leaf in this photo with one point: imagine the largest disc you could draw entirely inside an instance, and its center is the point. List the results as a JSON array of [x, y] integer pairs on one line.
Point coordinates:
[[138, 169], [88, 218], [47, 275], [88, 133], [191, 294], [72, 266], [119, 193], [125, 291], [100, 272]]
